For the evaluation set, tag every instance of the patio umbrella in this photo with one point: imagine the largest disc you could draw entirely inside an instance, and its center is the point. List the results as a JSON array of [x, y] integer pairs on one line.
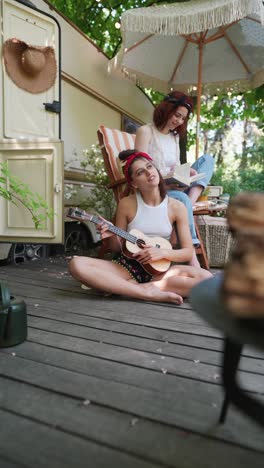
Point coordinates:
[[196, 46]]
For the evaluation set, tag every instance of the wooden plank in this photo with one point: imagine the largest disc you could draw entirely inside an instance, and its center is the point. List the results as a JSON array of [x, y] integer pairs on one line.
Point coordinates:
[[44, 445], [7, 463], [145, 378], [58, 280], [152, 441], [126, 313], [113, 304], [54, 280], [182, 408], [88, 347], [41, 309], [188, 334], [155, 361], [160, 348], [121, 372], [73, 288]]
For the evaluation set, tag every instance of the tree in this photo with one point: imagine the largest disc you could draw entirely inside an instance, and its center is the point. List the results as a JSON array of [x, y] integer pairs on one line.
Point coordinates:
[[100, 20], [221, 112]]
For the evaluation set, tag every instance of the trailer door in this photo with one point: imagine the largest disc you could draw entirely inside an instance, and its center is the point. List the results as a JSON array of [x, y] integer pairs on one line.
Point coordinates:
[[24, 113], [30, 134]]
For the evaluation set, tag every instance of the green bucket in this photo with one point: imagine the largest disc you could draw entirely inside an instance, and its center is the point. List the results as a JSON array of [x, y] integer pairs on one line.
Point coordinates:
[[13, 319]]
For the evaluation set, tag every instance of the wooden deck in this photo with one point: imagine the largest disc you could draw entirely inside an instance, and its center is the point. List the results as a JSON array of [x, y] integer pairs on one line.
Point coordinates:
[[108, 382]]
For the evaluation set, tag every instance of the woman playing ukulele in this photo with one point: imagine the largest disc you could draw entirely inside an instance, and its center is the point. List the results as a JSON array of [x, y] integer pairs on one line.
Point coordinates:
[[151, 211]]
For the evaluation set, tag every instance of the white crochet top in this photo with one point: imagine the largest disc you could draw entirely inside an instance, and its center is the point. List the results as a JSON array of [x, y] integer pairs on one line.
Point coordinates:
[[152, 220], [165, 150]]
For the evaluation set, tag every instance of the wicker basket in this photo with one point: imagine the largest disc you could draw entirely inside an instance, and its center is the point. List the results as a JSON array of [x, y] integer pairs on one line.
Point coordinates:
[[217, 239]]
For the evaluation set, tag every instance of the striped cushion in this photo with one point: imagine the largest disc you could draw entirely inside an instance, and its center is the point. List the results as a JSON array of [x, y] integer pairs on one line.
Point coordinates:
[[114, 142]]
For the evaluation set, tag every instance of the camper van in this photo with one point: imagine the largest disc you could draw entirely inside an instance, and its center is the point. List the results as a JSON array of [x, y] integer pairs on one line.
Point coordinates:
[[43, 132]]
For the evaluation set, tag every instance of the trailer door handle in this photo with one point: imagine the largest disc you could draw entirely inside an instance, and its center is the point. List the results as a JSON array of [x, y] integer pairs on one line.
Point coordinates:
[[54, 106]]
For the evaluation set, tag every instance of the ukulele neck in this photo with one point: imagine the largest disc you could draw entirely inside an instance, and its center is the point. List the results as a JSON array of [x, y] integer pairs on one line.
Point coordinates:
[[115, 230]]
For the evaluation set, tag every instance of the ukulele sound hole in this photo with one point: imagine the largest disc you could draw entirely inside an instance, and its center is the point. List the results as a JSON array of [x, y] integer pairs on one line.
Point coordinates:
[[140, 243]]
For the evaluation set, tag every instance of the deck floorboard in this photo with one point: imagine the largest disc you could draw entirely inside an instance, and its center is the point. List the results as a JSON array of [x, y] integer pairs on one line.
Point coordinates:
[[106, 381]]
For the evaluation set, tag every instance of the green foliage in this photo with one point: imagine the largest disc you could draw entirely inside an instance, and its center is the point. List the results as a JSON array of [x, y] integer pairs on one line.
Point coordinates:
[[100, 198], [257, 154], [227, 108], [15, 191], [205, 191], [252, 180], [234, 181], [100, 20]]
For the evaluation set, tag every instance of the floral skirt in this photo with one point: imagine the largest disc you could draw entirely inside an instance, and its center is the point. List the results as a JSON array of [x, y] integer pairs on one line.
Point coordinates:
[[135, 269]]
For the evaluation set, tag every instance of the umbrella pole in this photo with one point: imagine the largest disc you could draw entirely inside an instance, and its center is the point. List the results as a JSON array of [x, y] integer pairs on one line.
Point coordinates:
[[199, 94]]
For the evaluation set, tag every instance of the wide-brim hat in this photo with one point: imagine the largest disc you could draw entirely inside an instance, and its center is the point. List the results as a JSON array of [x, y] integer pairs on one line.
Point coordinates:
[[32, 68]]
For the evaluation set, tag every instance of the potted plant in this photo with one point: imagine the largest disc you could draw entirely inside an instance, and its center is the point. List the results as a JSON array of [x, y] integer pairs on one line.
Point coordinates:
[[204, 194]]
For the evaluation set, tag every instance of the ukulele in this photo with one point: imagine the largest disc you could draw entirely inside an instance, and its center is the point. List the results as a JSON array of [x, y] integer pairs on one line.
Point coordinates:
[[134, 240]]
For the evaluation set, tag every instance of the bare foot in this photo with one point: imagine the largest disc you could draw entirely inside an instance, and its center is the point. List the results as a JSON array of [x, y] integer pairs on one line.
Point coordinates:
[[153, 293]]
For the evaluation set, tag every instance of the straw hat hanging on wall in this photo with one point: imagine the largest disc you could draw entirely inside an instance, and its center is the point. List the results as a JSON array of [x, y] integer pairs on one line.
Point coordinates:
[[31, 68]]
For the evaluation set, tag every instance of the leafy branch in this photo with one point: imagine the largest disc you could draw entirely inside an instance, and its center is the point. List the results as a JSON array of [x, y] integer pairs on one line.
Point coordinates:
[[15, 191], [100, 197]]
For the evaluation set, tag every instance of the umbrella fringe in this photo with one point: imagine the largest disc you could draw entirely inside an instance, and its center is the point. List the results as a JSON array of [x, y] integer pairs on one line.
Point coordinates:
[[186, 18], [146, 81]]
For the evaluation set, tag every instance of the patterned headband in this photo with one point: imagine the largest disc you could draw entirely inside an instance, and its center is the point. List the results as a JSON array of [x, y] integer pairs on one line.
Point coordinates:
[[129, 161], [178, 102]]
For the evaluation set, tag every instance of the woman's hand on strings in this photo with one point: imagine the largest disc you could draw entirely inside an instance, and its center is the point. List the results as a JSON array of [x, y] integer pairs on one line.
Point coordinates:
[[148, 254]]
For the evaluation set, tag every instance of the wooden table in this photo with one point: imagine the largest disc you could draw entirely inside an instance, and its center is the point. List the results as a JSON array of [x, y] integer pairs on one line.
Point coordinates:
[[208, 208]]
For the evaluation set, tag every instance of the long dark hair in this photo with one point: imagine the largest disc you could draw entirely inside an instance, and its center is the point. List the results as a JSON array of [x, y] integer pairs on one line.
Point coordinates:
[[168, 106], [124, 155]]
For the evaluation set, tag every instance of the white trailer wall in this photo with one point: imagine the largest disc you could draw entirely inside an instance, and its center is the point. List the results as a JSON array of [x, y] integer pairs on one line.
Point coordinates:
[[90, 95]]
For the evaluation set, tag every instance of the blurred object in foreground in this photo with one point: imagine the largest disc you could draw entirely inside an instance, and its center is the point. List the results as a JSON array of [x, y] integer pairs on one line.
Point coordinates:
[[243, 286]]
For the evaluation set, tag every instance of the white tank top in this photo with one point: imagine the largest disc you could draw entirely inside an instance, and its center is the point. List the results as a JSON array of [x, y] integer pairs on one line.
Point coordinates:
[[152, 220], [165, 150]]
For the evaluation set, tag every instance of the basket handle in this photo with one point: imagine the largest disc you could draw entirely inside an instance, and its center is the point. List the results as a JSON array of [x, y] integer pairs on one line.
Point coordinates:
[[4, 298], [4, 307]]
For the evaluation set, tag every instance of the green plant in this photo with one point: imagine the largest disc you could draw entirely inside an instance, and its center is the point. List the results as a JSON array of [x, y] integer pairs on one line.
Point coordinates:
[[100, 198], [234, 180], [15, 191], [205, 192]]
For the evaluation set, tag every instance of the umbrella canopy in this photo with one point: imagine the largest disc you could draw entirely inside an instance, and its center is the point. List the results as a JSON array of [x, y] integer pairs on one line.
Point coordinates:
[[195, 46]]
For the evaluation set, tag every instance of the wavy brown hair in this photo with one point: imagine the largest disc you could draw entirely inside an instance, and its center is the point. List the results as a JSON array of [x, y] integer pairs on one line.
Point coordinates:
[[168, 106], [123, 155]]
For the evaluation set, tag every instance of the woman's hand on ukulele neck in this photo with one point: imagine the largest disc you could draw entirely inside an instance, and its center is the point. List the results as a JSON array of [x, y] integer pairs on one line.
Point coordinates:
[[103, 229]]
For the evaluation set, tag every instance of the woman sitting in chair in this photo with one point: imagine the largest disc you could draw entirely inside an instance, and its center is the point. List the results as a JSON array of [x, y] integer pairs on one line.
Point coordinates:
[[161, 140], [151, 211]]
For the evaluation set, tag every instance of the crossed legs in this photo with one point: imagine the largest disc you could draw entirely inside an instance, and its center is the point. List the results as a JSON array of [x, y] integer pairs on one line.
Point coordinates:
[[111, 277]]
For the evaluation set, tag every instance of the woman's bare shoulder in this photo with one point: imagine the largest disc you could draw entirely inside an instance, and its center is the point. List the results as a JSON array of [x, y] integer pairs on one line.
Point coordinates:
[[144, 130], [174, 203], [176, 207], [126, 202], [126, 210]]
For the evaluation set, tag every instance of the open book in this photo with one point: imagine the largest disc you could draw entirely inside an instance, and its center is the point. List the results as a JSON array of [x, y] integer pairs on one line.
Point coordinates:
[[181, 176]]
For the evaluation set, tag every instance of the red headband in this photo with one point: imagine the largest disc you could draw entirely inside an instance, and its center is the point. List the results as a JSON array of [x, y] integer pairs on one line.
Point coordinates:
[[129, 161]]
